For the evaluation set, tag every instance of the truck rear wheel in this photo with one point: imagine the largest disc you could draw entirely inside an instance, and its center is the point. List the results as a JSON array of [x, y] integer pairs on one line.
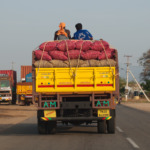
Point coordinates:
[[111, 123], [46, 127], [101, 126], [41, 127], [10, 102], [51, 127]]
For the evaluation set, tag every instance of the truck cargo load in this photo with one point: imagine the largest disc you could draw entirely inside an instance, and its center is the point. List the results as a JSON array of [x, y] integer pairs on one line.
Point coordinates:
[[78, 90], [24, 71]]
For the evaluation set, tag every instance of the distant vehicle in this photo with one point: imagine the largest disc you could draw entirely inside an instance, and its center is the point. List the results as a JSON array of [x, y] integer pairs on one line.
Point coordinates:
[[8, 86], [24, 92], [24, 88]]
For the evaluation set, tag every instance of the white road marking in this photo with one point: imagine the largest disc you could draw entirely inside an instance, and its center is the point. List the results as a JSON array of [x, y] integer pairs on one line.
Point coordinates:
[[118, 128], [132, 143]]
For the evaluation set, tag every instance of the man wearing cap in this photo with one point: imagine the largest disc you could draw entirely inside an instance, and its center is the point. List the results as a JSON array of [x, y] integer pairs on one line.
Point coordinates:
[[62, 33]]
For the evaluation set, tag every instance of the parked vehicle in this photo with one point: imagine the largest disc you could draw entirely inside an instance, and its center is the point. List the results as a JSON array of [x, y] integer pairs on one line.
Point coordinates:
[[24, 88], [24, 92], [8, 86]]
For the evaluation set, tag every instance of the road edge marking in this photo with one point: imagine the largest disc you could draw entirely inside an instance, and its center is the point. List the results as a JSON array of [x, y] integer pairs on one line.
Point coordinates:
[[119, 129], [132, 143]]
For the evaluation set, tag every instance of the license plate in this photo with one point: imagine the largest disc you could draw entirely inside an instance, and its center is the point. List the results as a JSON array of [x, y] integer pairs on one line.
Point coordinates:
[[103, 113], [50, 113], [22, 98]]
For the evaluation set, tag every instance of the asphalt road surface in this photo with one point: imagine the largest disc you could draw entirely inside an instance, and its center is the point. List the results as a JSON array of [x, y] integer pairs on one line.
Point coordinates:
[[132, 132]]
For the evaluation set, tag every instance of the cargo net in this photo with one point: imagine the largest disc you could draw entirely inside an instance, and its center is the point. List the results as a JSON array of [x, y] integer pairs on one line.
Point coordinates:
[[74, 53]]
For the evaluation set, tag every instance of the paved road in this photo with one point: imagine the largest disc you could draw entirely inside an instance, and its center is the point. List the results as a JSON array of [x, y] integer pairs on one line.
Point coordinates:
[[132, 132]]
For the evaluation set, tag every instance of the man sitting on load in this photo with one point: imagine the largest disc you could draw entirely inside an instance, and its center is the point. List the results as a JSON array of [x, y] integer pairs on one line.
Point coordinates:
[[63, 33], [81, 34]]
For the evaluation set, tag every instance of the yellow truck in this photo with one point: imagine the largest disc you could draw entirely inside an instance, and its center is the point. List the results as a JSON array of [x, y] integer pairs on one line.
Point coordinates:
[[24, 93], [76, 95]]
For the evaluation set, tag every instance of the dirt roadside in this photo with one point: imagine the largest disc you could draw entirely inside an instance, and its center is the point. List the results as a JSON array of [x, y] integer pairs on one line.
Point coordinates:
[[141, 106], [13, 114]]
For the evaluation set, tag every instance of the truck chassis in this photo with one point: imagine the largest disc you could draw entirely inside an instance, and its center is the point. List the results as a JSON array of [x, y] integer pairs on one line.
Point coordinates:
[[76, 109]]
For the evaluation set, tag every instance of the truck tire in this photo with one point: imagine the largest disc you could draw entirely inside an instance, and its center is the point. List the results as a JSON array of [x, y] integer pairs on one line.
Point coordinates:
[[42, 127], [10, 102], [101, 126], [51, 127], [46, 127], [27, 103], [111, 123]]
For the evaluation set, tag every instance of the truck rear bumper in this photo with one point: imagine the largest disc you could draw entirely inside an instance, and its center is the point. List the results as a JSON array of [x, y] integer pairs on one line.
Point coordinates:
[[75, 118], [5, 100]]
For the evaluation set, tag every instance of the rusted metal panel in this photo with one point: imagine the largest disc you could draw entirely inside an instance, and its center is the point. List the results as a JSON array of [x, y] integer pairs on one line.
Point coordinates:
[[24, 83], [25, 70]]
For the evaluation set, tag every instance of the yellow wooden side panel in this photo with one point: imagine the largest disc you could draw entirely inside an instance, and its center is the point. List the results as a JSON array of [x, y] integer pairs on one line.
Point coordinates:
[[24, 89], [75, 80]]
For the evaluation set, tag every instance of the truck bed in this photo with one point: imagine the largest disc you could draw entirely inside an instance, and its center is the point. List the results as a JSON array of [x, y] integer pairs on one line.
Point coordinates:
[[88, 79], [24, 88]]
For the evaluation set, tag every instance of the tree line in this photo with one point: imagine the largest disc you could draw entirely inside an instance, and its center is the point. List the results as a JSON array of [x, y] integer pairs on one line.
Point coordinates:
[[144, 61]]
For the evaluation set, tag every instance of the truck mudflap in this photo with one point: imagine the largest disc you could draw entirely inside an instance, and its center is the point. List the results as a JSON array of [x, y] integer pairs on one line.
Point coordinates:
[[74, 119]]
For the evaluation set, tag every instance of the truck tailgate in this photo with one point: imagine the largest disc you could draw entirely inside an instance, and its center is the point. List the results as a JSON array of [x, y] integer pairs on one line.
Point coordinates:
[[24, 89], [86, 79]]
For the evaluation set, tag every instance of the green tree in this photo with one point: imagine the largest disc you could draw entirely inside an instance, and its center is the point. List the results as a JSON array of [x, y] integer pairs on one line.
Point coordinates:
[[122, 83], [132, 83], [146, 85], [145, 62]]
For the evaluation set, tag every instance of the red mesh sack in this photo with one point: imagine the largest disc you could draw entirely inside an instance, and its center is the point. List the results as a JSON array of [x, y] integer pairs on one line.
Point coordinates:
[[90, 55], [73, 54], [49, 46], [38, 55], [86, 45], [109, 53], [62, 45], [59, 55], [97, 45]]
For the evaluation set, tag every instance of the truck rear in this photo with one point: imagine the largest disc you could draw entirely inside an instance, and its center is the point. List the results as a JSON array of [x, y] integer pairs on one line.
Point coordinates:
[[24, 93], [24, 88], [76, 95]]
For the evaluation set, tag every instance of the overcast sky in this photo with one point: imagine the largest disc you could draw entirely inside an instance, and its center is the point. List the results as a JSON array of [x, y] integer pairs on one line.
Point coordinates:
[[25, 24]]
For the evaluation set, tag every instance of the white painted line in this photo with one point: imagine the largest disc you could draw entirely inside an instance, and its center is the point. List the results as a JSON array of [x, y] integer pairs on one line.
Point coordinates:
[[132, 143], [118, 128]]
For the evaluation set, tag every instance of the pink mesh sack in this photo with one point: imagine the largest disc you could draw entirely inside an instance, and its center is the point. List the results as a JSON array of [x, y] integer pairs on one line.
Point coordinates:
[[98, 45], [49, 46], [58, 55], [73, 54], [90, 54], [46, 56], [86, 45], [62, 45], [109, 53]]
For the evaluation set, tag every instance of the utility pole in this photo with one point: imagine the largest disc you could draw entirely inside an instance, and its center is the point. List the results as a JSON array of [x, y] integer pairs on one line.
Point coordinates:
[[12, 65], [139, 86], [127, 79]]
